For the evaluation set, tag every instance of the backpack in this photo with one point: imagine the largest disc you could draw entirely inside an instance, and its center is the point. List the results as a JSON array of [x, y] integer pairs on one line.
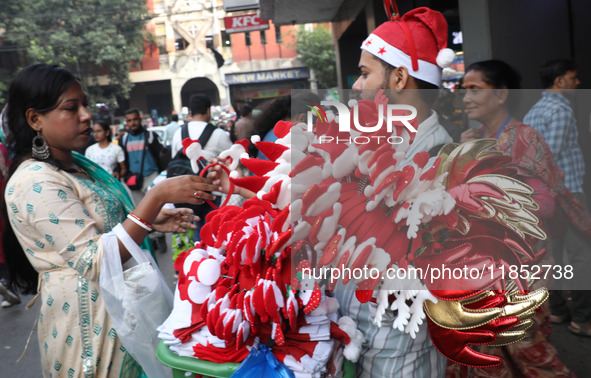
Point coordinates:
[[181, 165]]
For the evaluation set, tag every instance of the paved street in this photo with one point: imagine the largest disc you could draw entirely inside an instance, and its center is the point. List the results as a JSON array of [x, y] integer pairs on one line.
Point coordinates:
[[16, 323]]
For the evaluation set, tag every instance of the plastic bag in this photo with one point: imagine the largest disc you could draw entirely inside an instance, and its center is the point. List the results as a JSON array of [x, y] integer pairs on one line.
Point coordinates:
[[261, 363], [138, 300]]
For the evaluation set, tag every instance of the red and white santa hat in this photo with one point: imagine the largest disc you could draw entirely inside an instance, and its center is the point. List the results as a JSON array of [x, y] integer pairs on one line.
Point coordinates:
[[417, 41]]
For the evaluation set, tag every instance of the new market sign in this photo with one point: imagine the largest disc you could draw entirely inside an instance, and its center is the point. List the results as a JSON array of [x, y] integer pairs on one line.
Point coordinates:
[[266, 76]]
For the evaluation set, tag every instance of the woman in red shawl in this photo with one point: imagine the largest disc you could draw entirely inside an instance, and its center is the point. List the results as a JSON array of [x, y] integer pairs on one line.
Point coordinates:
[[487, 91]]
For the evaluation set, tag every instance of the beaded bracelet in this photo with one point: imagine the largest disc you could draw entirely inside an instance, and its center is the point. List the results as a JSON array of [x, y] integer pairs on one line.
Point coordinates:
[[139, 221]]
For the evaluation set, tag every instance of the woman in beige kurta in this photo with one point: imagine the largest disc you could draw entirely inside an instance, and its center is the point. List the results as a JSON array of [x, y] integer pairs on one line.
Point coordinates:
[[59, 219], [60, 205]]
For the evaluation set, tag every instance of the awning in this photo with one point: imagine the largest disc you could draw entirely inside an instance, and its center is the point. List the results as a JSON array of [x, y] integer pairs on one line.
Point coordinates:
[[289, 12]]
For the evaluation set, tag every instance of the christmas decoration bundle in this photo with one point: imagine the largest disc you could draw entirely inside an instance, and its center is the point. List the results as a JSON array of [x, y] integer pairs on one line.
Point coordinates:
[[335, 207]]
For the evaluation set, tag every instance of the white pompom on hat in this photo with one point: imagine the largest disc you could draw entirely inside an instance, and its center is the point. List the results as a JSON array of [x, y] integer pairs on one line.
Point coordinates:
[[445, 57], [417, 40]]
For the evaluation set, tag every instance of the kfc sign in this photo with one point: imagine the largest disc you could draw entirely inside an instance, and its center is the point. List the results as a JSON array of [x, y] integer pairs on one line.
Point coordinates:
[[244, 23]]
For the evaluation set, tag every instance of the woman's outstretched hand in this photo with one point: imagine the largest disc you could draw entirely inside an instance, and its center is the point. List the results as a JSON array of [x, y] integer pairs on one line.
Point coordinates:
[[175, 220], [220, 178], [189, 189]]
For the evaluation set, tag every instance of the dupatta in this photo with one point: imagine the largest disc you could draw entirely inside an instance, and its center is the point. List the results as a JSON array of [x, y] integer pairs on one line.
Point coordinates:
[[533, 158], [111, 184]]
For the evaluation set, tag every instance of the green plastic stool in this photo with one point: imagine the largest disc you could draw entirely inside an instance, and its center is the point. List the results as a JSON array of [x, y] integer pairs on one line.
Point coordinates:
[[181, 365], [348, 369]]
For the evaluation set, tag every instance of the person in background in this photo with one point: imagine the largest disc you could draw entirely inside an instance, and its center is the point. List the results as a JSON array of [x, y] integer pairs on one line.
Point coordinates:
[[105, 153], [489, 99], [60, 206], [553, 117], [154, 117], [196, 123], [231, 125], [142, 151], [120, 134], [278, 109], [171, 128], [200, 116], [244, 126], [273, 111], [445, 106], [183, 115]]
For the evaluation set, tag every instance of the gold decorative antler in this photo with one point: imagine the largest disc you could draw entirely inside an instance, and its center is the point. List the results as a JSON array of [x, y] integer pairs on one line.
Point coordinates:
[[455, 315], [513, 208]]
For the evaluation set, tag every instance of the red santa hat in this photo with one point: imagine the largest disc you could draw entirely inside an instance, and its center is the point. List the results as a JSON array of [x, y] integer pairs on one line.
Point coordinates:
[[417, 40]]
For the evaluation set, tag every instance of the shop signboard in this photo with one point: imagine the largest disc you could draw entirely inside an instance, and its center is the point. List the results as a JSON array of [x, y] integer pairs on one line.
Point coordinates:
[[266, 76], [244, 23]]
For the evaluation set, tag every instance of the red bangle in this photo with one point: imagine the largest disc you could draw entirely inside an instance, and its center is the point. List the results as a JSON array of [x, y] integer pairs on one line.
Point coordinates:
[[142, 223]]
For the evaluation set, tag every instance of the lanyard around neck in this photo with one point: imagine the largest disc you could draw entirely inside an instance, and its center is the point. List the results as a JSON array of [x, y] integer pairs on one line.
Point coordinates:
[[503, 126]]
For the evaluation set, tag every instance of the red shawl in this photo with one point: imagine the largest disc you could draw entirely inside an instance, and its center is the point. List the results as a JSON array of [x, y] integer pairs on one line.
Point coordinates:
[[533, 159]]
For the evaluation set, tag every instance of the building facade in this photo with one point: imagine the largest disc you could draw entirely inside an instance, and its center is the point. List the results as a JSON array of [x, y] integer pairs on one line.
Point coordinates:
[[193, 53]]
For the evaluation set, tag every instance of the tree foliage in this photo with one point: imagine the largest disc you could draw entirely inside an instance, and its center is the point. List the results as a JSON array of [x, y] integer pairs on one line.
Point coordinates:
[[316, 50], [92, 38]]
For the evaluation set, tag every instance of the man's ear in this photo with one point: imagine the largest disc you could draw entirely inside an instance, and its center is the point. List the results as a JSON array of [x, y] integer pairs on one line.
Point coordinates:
[[399, 78], [559, 82], [33, 119]]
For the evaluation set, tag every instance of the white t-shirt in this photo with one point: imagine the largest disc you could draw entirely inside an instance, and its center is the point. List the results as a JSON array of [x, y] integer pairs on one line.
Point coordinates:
[[218, 142], [108, 157]]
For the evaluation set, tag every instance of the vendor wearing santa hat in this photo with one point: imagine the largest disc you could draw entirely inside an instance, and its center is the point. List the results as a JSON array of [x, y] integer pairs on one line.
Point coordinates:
[[402, 55]]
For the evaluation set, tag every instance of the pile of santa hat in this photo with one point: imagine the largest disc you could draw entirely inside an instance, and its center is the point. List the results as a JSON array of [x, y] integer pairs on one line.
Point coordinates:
[[236, 289]]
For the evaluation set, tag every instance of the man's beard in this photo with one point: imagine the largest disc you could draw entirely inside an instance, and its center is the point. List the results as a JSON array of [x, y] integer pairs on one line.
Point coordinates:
[[137, 131], [386, 83]]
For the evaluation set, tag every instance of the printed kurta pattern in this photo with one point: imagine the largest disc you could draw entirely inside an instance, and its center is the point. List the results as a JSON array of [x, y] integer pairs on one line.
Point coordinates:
[[58, 219]]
